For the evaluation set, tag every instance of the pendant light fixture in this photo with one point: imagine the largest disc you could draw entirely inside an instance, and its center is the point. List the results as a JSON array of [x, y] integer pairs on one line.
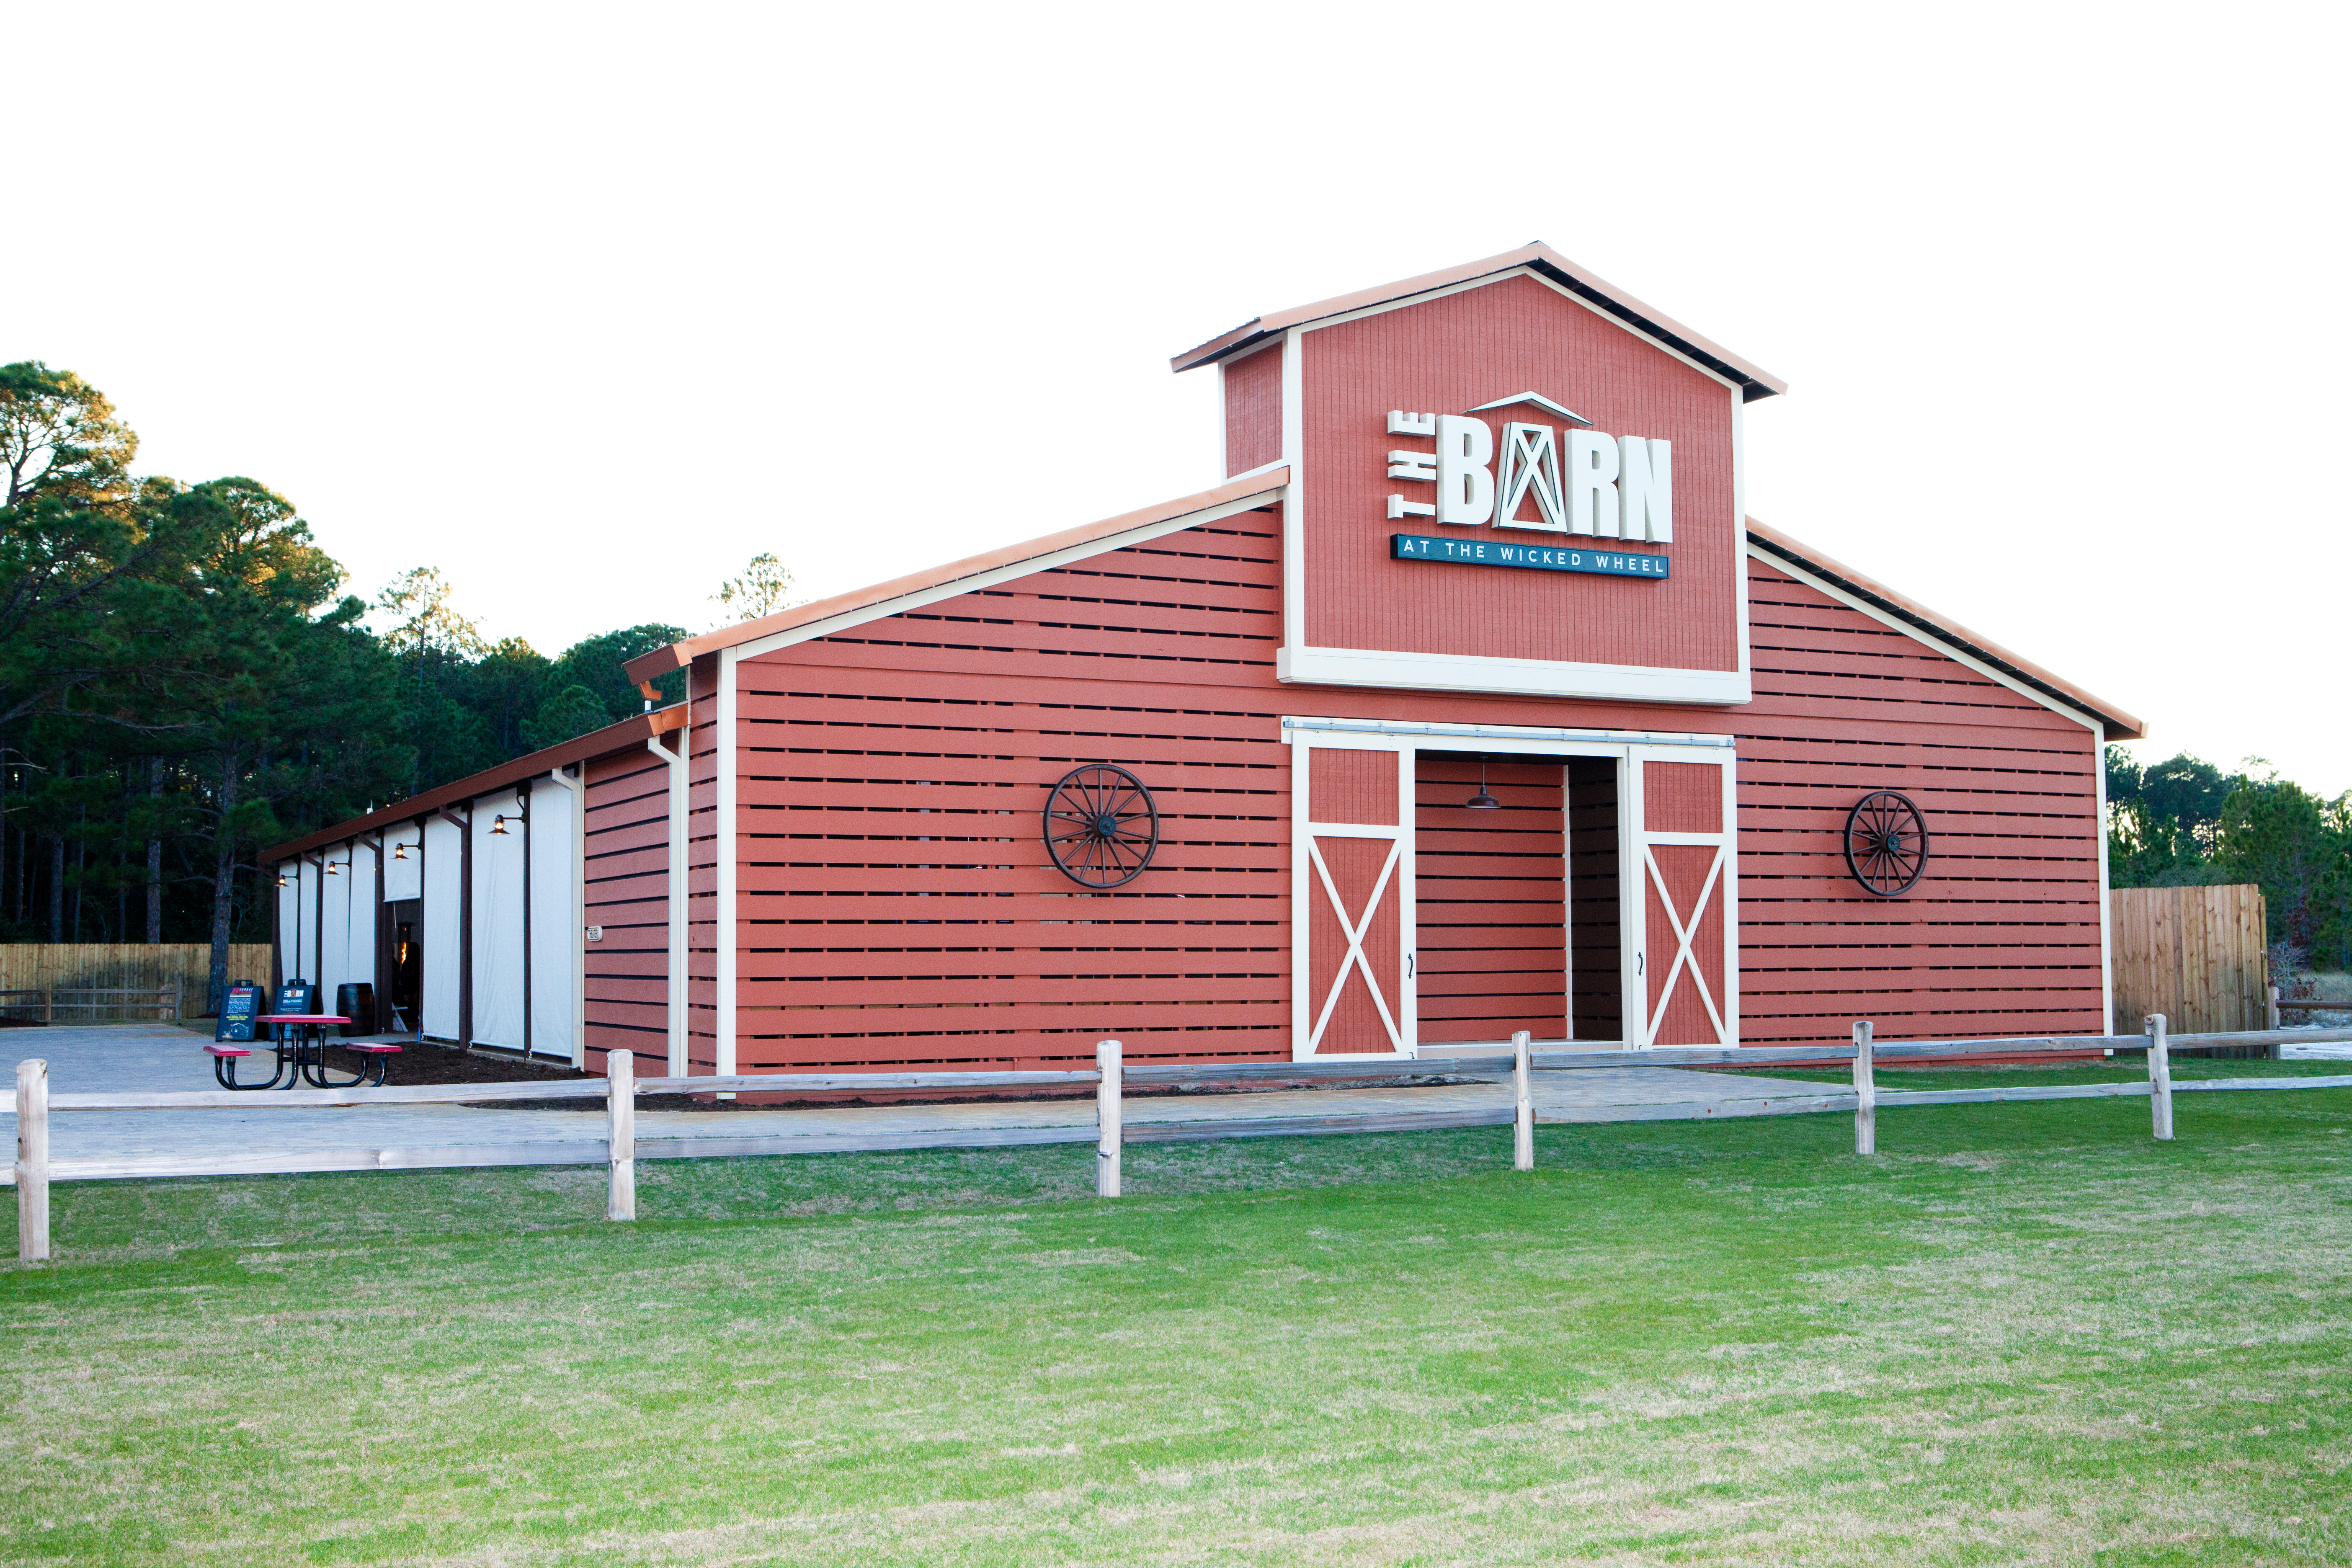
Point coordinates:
[[1482, 801]]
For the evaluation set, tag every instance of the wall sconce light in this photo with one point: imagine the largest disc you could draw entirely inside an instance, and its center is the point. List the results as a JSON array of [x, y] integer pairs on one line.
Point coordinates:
[[498, 825], [331, 870], [281, 879], [399, 851]]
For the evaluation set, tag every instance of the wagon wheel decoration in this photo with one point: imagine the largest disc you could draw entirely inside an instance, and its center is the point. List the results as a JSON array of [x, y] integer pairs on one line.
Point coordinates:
[[1885, 843], [1101, 825]]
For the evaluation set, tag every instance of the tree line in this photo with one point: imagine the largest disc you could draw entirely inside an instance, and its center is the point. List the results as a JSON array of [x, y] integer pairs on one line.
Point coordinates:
[[2183, 822], [183, 680]]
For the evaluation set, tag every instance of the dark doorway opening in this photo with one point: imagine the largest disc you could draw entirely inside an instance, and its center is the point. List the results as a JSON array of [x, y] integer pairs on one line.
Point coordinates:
[[1596, 950], [403, 962], [1516, 910]]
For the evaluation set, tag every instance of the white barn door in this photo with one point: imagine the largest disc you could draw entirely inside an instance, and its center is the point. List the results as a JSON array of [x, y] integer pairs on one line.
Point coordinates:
[[1681, 893], [1351, 899]]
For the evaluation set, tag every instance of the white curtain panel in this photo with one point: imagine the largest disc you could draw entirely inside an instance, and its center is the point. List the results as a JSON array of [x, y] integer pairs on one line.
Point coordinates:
[[555, 933], [402, 879], [497, 923], [443, 844], [293, 940]]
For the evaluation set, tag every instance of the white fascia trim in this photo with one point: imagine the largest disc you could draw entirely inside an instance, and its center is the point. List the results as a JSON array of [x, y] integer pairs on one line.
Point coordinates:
[[1294, 504], [724, 937], [1142, 533], [1527, 732], [1509, 677], [1739, 517], [2106, 949], [1469, 283], [1957, 655]]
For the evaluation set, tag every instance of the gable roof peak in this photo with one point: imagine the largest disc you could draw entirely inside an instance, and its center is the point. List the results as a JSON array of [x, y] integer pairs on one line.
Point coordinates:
[[1536, 257]]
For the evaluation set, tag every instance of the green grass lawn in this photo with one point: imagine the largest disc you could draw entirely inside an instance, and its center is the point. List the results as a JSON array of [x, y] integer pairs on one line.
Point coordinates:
[[2022, 1333]]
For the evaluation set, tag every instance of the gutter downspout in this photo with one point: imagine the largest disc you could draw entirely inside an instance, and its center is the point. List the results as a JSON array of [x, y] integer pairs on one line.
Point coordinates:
[[675, 1008]]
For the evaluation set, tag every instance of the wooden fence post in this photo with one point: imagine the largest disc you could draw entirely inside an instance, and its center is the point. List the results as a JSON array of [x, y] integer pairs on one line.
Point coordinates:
[[2159, 1077], [2270, 1016], [621, 1132], [1523, 1122], [33, 1162], [1108, 1131], [1865, 1092]]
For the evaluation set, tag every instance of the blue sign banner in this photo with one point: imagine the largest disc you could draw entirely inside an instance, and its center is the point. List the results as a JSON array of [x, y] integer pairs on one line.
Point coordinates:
[[1528, 557]]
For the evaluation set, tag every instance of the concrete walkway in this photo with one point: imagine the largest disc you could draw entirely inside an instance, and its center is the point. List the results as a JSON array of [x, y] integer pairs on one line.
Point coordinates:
[[127, 1055]]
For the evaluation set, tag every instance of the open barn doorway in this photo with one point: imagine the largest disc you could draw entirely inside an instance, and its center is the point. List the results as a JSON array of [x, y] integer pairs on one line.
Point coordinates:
[[1516, 898]]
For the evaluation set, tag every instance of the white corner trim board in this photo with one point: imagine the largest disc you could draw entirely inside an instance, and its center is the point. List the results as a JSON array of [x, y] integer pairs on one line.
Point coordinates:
[[724, 937], [1509, 677]]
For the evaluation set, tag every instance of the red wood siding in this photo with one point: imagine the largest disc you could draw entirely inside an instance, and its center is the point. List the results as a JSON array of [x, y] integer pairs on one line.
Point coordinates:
[[1353, 786], [2002, 936], [898, 906], [1253, 411], [897, 903], [701, 739], [1490, 900], [1682, 797], [627, 877], [1446, 356]]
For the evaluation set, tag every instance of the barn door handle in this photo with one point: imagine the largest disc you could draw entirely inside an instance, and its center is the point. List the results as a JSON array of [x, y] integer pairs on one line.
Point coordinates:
[[1408, 966], [1639, 960]]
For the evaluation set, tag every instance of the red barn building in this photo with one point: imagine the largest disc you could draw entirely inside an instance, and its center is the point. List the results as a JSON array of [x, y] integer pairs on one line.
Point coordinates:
[[1470, 700]]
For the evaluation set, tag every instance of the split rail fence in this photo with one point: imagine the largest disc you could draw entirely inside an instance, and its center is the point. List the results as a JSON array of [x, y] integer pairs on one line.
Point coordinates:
[[620, 1149]]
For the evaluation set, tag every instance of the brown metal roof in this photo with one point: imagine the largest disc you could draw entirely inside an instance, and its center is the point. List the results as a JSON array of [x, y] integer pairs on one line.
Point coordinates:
[[1539, 258], [2117, 724], [627, 735], [678, 655]]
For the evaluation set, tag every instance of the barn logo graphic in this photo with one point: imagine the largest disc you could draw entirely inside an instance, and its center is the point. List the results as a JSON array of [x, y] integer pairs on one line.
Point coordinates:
[[1554, 479]]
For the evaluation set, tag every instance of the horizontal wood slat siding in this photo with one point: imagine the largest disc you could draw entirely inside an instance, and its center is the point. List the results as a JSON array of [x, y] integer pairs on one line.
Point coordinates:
[[626, 878], [2002, 936], [897, 903], [897, 907], [1490, 900]]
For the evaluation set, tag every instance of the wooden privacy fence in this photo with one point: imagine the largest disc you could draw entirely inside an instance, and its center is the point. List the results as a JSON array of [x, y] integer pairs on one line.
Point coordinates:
[[2198, 956], [620, 1148], [96, 982]]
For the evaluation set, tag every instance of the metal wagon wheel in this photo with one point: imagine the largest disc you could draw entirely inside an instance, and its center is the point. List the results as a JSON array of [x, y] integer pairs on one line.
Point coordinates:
[[1885, 843], [1101, 825]]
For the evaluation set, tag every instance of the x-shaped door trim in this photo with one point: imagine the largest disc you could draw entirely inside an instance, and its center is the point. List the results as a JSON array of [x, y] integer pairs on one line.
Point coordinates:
[[1354, 931], [1683, 935]]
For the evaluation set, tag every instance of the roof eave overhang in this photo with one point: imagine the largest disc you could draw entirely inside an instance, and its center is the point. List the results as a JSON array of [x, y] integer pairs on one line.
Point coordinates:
[[625, 736], [2113, 723], [1258, 484], [1753, 381]]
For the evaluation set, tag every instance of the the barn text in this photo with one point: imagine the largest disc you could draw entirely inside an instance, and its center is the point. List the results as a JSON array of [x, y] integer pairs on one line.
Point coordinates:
[[1612, 486]]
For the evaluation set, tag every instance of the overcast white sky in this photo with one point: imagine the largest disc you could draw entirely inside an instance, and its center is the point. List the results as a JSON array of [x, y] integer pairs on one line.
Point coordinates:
[[588, 306]]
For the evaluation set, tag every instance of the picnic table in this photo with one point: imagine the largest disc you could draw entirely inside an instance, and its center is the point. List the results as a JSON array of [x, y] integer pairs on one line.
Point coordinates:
[[300, 1048]]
